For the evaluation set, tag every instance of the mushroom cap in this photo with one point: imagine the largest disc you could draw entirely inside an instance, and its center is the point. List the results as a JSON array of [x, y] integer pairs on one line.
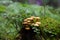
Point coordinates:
[[27, 28], [28, 21], [24, 23], [25, 20], [38, 23], [37, 18], [29, 18]]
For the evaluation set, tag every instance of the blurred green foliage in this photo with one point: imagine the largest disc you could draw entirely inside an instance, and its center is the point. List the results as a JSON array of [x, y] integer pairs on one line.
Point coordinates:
[[11, 19], [2, 8]]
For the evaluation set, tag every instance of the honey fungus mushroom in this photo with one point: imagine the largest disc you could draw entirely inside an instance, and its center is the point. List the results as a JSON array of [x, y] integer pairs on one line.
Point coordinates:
[[35, 21], [27, 31]]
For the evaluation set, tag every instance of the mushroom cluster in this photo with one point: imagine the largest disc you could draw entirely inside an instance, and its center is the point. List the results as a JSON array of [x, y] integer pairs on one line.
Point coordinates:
[[32, 21]]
